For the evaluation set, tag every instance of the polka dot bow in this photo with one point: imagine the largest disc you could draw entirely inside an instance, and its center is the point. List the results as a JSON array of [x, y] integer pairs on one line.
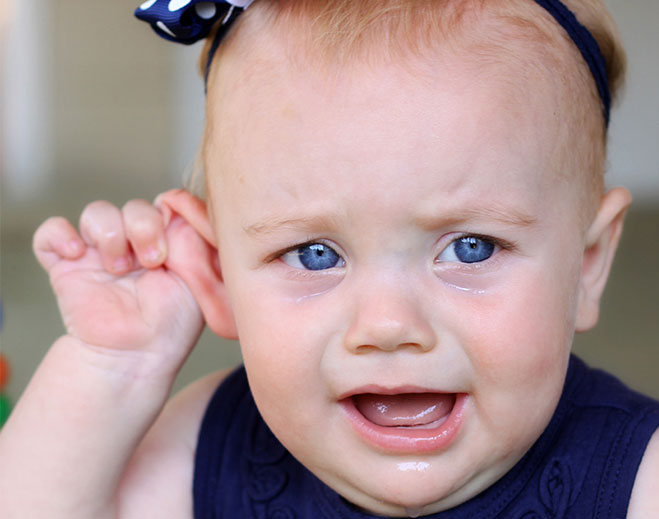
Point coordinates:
[[188, 21]]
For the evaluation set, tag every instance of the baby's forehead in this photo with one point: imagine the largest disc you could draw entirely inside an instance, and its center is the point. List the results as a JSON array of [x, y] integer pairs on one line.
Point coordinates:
[[385, 117], [518, 49], [514, 42]]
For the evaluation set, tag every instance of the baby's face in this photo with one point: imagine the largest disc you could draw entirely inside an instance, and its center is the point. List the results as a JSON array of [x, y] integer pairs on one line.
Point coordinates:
[[383, 235]]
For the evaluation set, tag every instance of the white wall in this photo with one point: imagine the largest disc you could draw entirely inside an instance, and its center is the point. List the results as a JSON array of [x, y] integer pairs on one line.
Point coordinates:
[[27, 126], [188, 102], [634, 158]]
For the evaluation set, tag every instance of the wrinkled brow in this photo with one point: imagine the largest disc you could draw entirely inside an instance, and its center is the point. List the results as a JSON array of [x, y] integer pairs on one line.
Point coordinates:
[[504, 215], [306, 223]]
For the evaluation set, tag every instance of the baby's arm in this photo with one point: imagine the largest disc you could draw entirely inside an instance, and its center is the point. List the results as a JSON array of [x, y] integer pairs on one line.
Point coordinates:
[[100, 387], [158, 480], [644, 502]]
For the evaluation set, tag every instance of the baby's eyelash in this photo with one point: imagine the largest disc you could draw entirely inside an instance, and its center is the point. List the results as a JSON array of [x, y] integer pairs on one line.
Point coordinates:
[[471, 250], [277, 255], [502, 244]]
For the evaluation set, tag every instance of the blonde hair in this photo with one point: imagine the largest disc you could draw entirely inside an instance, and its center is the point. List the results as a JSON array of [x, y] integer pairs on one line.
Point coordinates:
[[349, 31]]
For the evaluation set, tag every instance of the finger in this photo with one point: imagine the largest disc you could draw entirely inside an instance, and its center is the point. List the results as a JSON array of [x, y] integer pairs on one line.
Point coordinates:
[[56, 239], [101, 226], [145, 230]]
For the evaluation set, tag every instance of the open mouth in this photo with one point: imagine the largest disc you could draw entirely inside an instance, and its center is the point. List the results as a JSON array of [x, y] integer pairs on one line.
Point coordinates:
[[412, 410], [406, 422]]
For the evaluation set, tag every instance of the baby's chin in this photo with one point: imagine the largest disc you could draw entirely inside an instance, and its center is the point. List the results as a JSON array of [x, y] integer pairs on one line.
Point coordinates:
[[411, 506], [412, 499], [416, 493]]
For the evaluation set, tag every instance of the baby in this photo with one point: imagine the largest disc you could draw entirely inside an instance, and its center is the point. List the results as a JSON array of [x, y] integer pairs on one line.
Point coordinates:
[[404, 224]]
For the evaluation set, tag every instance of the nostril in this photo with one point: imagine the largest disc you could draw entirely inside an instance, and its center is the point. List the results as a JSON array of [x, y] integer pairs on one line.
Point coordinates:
[[365, 348]]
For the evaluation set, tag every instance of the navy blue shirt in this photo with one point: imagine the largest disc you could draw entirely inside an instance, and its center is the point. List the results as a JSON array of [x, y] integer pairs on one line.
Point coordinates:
[[583, 465]]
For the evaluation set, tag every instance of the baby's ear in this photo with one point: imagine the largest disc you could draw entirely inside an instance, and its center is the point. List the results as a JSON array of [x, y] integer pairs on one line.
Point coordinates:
[[193, 256], [601, 243]]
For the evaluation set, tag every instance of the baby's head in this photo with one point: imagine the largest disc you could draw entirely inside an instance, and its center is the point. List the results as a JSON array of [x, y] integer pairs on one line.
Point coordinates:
[[408, 206]]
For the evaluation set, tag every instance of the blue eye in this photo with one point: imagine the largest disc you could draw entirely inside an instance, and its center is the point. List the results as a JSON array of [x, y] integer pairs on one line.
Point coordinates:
[[468, 249], [314, 256]]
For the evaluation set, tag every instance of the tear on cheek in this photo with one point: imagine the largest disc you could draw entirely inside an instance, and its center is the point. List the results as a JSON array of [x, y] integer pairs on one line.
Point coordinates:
[[300, 287], [475, 283]]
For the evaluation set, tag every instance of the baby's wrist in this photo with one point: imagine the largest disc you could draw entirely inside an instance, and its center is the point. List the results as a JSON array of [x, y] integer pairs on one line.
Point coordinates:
[[143, 369]]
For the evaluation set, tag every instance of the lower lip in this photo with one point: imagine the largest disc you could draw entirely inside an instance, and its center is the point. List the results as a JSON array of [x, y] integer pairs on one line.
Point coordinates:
[[407, 440]]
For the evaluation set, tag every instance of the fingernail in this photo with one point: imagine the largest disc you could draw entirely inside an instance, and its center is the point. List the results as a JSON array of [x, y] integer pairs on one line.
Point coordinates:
[[121, 264], [154, 255], [73, 247]]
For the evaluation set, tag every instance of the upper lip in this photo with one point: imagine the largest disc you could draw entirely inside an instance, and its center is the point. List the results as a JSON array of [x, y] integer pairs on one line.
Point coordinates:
[[377, 389]]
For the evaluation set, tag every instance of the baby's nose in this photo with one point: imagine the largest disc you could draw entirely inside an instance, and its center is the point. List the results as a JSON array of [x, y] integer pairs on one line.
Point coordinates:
[[388, 317]]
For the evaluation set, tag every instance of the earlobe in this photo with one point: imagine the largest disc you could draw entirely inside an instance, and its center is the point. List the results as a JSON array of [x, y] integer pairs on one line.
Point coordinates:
[[193, 256], [601, 242]]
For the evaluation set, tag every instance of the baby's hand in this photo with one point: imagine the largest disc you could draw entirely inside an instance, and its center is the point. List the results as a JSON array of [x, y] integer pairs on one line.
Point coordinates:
[[127, 286], [116, 284]]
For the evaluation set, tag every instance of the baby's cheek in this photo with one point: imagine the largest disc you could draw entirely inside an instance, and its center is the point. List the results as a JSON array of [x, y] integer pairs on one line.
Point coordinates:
[[523, 335], [519, 355], [280, 341]]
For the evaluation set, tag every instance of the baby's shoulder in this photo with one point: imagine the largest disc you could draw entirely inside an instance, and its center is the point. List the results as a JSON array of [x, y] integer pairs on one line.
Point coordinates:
[[633, 443], [636, 439], [644, 501], [159, 476]]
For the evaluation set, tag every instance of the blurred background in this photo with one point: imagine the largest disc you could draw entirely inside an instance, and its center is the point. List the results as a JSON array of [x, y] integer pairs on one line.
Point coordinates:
[[95, 106]]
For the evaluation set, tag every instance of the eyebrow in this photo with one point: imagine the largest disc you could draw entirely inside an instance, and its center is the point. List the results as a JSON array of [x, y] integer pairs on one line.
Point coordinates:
[[272, 225], [505, 215]]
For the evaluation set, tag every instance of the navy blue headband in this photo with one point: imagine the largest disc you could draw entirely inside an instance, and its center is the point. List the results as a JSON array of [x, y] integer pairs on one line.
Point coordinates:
[[187, 21]]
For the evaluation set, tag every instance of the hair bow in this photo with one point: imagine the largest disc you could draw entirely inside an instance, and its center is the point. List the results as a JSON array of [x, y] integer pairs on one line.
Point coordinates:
[[188, 21]]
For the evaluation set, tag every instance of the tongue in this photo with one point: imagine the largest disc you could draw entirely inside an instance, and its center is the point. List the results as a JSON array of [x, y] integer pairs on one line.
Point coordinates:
[[404, 410]]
